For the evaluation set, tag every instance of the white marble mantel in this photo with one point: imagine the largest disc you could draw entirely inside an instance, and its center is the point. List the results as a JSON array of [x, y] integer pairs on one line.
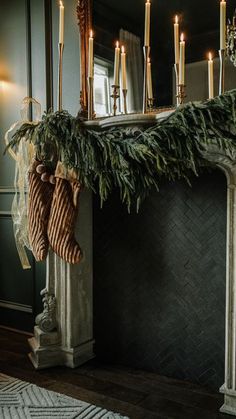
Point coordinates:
[[70, 288]]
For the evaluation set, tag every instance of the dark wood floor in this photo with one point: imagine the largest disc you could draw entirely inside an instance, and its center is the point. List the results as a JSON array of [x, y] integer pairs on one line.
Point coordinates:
[[135, 393]]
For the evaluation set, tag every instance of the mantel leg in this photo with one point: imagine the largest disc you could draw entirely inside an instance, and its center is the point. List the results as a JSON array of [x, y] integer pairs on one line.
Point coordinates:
[[63, 334], [229, 387]]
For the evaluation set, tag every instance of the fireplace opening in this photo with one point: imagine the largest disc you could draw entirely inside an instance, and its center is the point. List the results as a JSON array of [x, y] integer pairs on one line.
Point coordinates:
[[159, 281]]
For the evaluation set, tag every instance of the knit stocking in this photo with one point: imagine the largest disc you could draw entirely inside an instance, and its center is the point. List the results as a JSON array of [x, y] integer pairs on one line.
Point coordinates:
[[40, 199], [63, 217]]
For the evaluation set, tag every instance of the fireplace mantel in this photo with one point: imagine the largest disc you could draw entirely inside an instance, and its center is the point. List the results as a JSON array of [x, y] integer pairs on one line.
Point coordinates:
[[71, 343]]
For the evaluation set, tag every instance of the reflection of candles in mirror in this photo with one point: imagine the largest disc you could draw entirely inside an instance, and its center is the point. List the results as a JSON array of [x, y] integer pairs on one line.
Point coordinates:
[[147, 24], [149, 79], [182, 60], [211, 76], [176, 38], [61, 24], [117, 65], [90, 62], [222, 24], [123, 69]]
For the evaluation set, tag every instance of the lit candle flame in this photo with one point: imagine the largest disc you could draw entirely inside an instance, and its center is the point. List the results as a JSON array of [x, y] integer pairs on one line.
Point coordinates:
[[148, 1], [149, 60], [117, 44], [91, 34], [210, 56], [61, 4], [182, 37], [176, 19], [123, 49]]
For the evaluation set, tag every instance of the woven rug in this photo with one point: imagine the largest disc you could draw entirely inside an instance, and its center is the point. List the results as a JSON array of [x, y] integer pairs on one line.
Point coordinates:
[[21, 400]]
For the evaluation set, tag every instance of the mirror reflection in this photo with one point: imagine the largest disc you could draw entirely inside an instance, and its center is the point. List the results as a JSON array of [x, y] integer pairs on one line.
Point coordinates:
[[124, 21]]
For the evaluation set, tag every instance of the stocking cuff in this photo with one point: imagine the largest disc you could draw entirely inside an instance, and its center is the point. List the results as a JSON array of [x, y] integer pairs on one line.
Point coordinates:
[[64, 173], [33, 165]]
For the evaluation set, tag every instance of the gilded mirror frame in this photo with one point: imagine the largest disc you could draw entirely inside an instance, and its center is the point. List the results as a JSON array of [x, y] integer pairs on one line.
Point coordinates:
[[84, 16]]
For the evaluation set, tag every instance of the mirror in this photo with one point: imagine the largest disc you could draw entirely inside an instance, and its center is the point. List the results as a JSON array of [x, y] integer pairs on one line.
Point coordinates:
[[123, 20]]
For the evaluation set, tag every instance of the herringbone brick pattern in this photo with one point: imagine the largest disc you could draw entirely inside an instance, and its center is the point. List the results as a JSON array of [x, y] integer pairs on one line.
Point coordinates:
[[160, 281]]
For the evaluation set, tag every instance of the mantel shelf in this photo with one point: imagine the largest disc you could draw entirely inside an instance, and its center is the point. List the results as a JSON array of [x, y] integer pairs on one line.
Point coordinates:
[[133, 119]]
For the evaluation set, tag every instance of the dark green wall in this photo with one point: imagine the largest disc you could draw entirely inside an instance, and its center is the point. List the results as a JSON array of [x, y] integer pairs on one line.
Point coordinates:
[[28, 66]]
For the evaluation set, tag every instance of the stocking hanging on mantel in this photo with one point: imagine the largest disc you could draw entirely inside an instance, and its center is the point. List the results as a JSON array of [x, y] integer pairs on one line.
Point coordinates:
[[23, 155], [63, 215], [40, 199], [52, 212]]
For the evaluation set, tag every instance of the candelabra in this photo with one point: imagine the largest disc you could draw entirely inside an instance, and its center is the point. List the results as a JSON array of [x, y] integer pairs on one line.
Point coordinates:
[[91, 114], [115, 96], [60, 62], [125, 91], [146, 53], [231, 40], [181, 94]]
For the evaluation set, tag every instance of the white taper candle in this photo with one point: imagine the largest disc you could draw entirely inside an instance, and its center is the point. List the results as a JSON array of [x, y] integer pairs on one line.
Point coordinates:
[[61, 23], [182, 60], [117, 65], [176, 39], [211, 76], [123, 69], [90, 61], [222, 24], [147, 23]]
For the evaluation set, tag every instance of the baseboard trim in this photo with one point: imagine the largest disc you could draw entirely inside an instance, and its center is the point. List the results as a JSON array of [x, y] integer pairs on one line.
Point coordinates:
[[11, 329]]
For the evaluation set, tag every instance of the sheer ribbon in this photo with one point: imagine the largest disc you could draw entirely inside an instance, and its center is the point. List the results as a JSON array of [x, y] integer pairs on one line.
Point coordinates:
[[23, 157]]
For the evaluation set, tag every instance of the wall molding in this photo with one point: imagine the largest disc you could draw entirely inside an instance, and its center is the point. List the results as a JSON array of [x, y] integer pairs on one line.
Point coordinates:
[[7, 190], [5, 214], [16, 306]]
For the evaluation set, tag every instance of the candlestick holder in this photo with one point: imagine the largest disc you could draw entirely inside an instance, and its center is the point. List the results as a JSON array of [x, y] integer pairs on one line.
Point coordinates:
[[125, 91], [60, 67], [91, 114], [150, 103], [222, 55], [177, 83], [115, 95], [146, 53], [181, 94]]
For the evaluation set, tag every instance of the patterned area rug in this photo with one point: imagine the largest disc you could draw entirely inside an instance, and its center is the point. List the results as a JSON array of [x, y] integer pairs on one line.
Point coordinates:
[[21, 400]]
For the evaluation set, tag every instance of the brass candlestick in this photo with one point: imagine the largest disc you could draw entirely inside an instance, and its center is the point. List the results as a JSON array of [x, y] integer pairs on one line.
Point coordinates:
[[60, 63], [146, 53], [222, 55], [177, 83], [150, 103], [91, 113], [125, 91], [115, 95], [181, 94]]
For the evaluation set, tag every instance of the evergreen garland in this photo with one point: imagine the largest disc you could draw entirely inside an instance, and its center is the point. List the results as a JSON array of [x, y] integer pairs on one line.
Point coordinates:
[[134, 160]]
